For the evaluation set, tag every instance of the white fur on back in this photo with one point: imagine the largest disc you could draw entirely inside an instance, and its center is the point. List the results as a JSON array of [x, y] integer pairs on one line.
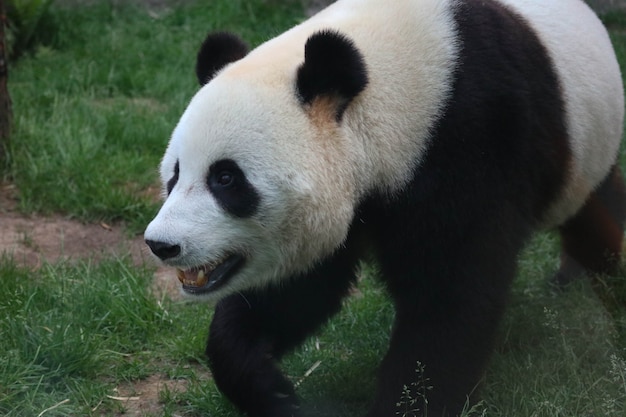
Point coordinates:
[[592, 86]]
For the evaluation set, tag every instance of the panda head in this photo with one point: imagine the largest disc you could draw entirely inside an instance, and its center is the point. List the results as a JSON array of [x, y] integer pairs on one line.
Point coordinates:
[[259, 178]]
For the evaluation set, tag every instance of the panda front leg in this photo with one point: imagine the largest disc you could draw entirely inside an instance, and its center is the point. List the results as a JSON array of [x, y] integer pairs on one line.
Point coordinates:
[[242, 360], [251, 331], [449, 300], [434, 363]]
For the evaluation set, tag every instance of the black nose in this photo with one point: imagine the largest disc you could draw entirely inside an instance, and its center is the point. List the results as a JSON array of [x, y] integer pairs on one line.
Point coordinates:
[[163, 250]]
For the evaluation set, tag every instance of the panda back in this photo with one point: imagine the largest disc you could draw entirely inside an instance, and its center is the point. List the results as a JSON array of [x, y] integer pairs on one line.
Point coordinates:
[[592, 90]]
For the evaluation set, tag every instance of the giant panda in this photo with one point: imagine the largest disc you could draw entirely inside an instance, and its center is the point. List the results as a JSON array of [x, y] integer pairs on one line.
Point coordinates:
[[433, 136]]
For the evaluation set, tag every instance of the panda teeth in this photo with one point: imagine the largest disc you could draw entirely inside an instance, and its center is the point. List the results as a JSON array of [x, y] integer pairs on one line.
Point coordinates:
[[197, 276], [202, 279]]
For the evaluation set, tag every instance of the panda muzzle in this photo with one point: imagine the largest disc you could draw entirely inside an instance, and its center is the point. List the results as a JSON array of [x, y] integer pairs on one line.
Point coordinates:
[[211, 276]]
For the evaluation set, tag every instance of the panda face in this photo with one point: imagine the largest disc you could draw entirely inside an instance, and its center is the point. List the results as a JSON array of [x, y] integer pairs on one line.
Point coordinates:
[[251, 196]]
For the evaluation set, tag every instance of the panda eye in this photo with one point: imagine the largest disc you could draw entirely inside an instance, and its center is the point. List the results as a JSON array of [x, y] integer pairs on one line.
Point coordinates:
[[225, 179], [231, 189]]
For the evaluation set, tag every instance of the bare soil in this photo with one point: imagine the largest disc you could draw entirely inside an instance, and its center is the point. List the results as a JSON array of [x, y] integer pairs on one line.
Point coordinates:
[[34, 240], [142, 397]]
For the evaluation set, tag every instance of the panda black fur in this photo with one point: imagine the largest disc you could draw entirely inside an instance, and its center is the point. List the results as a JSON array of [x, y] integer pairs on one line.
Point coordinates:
[[442, 133]]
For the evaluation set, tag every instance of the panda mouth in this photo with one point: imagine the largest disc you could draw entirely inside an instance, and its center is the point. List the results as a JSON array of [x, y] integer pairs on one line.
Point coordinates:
[[211, 276]]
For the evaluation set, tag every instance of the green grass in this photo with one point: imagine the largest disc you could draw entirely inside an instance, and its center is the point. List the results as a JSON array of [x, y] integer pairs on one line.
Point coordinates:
[[71, 331], [94, 105], [555, 352]]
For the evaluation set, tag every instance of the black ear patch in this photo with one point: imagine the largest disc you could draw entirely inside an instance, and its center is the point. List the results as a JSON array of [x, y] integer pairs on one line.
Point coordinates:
[[218, 50], [333, 67]]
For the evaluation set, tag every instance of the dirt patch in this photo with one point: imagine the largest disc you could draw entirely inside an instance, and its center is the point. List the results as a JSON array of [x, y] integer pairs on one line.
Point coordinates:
[[34, 240], [141, 398]]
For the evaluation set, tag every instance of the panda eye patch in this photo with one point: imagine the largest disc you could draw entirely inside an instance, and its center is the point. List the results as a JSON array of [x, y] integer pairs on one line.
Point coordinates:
[[231, 189]]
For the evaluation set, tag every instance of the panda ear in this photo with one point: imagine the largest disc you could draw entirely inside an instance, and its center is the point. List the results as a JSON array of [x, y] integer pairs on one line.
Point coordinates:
[[333, 68], [218, 50]]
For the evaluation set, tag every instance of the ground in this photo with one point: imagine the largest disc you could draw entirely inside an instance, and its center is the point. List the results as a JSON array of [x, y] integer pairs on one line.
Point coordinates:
[[33, 240], [142, 397]]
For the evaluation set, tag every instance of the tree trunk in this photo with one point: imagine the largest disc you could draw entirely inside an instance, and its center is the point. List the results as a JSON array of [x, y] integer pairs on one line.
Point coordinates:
[[5, 100]]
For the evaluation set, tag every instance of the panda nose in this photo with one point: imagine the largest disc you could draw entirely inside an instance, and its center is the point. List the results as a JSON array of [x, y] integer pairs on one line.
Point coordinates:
[[163, 250]]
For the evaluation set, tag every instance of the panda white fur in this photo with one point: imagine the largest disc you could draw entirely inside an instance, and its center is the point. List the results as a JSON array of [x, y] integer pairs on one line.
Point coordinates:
[[438, 134]]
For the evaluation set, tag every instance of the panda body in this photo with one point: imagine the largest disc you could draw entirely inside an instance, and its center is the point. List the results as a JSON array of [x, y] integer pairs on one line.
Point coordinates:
[[438, 134]]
